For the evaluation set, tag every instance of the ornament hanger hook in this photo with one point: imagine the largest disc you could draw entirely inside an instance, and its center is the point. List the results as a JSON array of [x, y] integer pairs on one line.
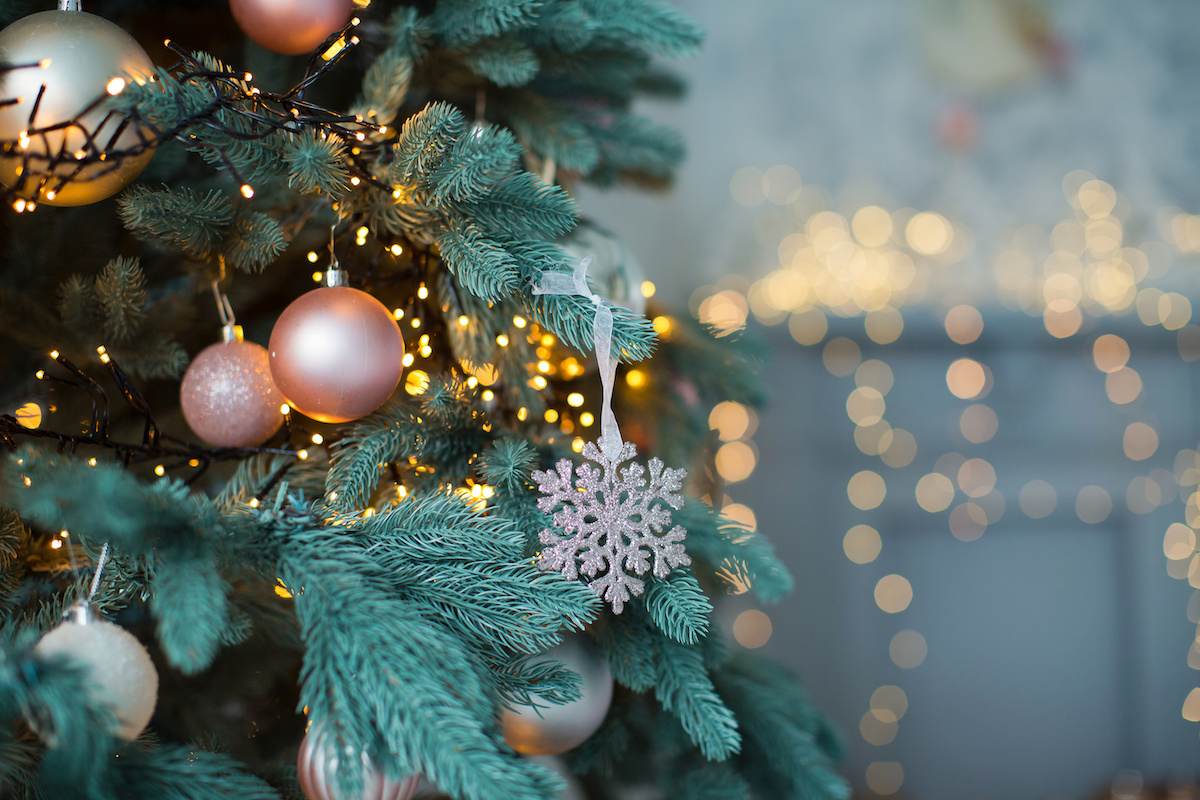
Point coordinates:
[[334, 274]]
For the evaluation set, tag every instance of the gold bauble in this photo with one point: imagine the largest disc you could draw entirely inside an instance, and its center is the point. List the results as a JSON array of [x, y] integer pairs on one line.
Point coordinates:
[[83, 58]]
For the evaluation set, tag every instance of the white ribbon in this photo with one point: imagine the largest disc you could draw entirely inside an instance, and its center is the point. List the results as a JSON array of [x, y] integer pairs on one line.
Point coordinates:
[[576, 283]]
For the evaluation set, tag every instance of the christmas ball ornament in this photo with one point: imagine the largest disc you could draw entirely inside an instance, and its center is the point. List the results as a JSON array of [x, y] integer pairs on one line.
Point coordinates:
[[317, 765], [79, 58], [336, 353], [228, 395], [614, 270], [551, 729], [291, 27], [119, 671]]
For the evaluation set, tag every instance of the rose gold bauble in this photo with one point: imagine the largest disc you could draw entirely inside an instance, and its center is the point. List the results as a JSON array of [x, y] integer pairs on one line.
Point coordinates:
[[317, 764], [228, 396], [291, 27], [85, 55], [336, 354]]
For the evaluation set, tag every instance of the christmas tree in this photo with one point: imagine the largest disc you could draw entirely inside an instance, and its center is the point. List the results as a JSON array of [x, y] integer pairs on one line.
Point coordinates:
[[440, 524]]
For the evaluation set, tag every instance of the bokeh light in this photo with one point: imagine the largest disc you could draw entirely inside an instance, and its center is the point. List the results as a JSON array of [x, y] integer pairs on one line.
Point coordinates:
[[752, 629], [1037, 499], [901, 451], [966, 378], [862, 544], [876, 731], [978, 424], [889, 703], [1093, 504], [935, 492], [964, 324], [908, 649], [893, 593], [866, 490], [1140, 441], [885, 777], [735, 461]]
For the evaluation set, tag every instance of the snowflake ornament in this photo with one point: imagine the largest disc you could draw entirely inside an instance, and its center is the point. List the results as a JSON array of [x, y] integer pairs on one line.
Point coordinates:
[[613, 519]]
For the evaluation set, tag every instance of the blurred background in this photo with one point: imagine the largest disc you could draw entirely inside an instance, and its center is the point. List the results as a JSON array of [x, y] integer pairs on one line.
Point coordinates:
[[966, 229]]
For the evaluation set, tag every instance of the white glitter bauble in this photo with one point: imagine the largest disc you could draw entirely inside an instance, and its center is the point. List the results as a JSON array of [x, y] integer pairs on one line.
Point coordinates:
[[553, 729], [317, 764], [120, 673]]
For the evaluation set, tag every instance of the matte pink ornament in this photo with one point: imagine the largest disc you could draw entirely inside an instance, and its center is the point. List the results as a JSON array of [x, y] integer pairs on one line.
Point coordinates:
[[336, 354], [317, 764], [291, 27], [228, 396]]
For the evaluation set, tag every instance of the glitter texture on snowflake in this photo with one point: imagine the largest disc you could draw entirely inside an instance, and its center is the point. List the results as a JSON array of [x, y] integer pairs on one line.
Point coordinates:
[[613, 519]]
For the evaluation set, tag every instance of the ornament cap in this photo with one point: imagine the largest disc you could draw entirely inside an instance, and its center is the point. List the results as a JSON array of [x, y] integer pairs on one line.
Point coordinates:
[[70, 5], [231, 333], [81, 613], [336, 277]]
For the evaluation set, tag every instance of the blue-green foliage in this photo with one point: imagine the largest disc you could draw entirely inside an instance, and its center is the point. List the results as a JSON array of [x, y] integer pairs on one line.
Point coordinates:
[[112, 309], [788, 744], [641, 659], [317, 163], [387, 676], [743, 559], [415, 617]]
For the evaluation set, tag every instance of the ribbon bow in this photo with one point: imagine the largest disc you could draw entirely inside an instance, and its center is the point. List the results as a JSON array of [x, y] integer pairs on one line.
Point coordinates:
[[560, 283]]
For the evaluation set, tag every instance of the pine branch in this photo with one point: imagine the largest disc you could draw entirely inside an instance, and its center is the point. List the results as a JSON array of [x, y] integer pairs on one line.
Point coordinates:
[[424, 140], [462, 22], [522, 204], [481, 265], [503, 60], [386, 682], [743, 559], [317, 163], [120, 292], [182, 219], [254, 240], [189, 602], [788, 745], [173, 772], [478, 160], [677, 606]]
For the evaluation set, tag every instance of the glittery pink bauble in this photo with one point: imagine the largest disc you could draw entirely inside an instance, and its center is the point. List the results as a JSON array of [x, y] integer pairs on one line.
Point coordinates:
[[336, 354], [291, 27], [317, 764], [228, 396]]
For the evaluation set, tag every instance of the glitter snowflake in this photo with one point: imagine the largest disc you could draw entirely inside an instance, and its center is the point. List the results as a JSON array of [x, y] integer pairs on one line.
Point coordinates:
[[613, 519]]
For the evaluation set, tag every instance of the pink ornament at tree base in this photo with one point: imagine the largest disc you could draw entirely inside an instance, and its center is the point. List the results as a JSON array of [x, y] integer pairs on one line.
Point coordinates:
[[291, 27], [228, 396], [317, 765]]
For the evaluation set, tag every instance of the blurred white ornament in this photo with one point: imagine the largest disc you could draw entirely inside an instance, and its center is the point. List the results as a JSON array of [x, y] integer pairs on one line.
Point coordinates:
[[120, 673], [317, 764], [988, 45], [556, 728], [615, 272]]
